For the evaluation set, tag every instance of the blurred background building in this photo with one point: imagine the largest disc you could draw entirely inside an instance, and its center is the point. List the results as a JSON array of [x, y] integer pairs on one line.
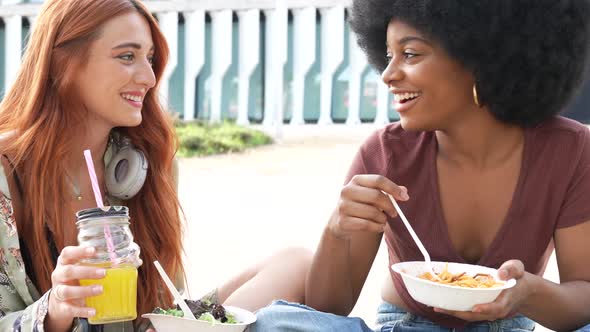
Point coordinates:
[[253, 61]]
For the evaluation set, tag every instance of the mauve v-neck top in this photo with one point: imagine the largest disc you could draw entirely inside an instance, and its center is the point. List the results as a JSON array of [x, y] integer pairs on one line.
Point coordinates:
[[553, 191]]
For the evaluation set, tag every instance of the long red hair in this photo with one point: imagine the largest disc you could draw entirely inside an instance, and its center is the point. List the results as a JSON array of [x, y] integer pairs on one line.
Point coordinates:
[[43, 103]]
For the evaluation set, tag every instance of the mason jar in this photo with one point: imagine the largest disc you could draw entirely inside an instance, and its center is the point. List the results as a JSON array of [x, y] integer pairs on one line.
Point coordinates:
[[118, 255]]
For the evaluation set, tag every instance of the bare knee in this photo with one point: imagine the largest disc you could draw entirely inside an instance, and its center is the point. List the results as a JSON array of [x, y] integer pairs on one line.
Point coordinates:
[[297, 258], [280, 276], [293, 264], [299, 254]]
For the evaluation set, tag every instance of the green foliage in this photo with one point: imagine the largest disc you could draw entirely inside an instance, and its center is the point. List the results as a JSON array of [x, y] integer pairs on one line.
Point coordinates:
[[198, 138]]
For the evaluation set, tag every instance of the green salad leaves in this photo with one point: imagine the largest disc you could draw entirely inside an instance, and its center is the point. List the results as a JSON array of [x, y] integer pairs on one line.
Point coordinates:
[[203, 310]]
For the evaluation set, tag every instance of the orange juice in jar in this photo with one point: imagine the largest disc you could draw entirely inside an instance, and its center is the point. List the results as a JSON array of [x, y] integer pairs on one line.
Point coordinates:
[[118, 301]]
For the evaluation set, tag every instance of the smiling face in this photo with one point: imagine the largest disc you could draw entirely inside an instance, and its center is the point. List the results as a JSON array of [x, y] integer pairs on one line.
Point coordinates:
[[118, 72], [430, 89]]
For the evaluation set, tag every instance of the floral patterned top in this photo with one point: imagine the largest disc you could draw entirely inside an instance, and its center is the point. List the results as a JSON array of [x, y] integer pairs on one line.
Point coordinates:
[[22, 307]]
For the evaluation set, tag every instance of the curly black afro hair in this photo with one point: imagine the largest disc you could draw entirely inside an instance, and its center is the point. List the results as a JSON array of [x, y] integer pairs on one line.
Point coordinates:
[[528, 57]]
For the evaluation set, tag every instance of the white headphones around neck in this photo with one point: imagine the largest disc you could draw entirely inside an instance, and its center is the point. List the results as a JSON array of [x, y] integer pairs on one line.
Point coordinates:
[[126, 171]]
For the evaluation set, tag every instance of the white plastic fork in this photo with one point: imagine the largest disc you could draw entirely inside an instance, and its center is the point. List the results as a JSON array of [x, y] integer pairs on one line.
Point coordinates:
[[179, 300], [414, 236]]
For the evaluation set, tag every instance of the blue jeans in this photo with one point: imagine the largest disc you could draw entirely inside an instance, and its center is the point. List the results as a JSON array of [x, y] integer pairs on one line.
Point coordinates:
[[291, 317], [392, 319]]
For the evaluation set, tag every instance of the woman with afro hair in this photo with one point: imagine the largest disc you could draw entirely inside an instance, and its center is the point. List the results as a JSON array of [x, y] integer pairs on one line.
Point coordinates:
[[483, 166]]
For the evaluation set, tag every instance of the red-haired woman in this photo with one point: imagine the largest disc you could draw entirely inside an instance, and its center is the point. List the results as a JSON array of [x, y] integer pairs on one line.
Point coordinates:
[[89, 79]]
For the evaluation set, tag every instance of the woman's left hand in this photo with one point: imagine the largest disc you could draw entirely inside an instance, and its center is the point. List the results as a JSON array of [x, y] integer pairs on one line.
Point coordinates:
[[507, 302]]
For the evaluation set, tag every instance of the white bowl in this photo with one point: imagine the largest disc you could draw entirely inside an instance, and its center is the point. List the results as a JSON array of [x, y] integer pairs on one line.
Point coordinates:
[[167, 323], [445, 296]]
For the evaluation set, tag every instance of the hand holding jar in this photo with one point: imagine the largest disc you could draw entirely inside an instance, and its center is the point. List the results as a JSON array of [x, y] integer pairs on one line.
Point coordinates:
[[67, 298], [97, 228]]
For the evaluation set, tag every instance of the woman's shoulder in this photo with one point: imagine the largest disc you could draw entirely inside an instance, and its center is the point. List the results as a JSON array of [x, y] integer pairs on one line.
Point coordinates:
[[385, 146], [561, 128], [393, 139], [395, 133], [6, 208], [560, 137], [6, 137], [562, 146], [4, 188], [3, 182]]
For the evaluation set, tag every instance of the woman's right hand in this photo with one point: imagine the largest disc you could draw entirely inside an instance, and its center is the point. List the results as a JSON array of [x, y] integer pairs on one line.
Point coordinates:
[[67, 297], [363, 207]]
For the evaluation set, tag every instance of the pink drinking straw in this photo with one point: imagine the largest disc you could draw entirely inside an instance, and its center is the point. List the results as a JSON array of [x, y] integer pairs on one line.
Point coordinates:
[[107, 231]]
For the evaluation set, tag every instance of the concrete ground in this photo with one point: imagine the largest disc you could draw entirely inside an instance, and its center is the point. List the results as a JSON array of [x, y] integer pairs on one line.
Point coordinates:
[[243, 207]]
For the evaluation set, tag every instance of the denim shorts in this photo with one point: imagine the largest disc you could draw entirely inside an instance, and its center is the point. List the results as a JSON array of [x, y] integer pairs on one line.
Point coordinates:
[[293, 317], [393, 319]]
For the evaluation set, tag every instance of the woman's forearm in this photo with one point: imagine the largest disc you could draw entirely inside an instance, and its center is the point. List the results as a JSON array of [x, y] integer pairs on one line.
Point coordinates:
[[560, 307], [350, 243], [328, 285]]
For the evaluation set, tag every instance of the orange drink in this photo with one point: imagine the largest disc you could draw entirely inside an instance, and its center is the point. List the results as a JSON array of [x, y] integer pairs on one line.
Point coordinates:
[[118, 301], [106, 229]]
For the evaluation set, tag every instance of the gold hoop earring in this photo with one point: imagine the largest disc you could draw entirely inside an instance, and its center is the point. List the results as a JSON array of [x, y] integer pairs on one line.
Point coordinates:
[[475, 97]]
